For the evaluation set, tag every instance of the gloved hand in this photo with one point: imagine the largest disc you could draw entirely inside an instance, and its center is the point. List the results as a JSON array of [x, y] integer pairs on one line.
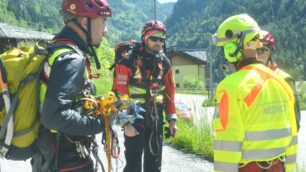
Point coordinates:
[[130, 130], [167, 133]]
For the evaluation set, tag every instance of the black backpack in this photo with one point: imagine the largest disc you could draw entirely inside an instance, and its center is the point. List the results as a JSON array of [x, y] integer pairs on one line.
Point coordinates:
[[123, 49]]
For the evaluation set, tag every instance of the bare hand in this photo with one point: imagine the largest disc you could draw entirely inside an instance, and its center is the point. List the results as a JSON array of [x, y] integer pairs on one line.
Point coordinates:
[[172, 127], [130, 130]]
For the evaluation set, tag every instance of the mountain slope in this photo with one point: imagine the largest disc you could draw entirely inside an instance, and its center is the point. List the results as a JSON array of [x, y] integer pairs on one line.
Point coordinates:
[[167, 8], [126, 22], [193, 22], [36, 14], [129, 17]]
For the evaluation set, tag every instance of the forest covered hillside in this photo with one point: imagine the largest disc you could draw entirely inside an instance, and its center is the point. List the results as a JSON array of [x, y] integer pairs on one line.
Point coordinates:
[[130, 15], [43, 15], [194, 21]]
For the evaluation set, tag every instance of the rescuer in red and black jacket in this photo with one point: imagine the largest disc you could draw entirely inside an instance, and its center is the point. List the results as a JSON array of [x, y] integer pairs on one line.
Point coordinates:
[[145, 74]]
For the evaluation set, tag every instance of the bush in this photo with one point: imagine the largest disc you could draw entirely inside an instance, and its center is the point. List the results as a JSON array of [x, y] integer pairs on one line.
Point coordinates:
[[209, 103], [194, 138], [301, 87], [192, 83]]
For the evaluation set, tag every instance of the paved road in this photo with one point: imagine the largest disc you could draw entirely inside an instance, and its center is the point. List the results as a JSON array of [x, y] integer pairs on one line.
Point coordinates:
[[173, 160]]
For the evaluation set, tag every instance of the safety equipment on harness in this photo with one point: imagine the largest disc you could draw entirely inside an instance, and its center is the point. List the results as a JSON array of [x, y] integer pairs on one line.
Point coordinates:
[[20, 71], [150, 89], [146, 88], [234, 33], [111, 109]]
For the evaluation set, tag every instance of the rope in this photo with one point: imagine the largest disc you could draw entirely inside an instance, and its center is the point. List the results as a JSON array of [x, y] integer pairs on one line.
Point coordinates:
[[154, 130], [270, 163], [107, 140]]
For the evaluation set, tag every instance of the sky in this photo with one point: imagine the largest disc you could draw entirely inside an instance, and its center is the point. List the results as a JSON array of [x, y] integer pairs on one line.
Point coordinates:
[[163, 1]]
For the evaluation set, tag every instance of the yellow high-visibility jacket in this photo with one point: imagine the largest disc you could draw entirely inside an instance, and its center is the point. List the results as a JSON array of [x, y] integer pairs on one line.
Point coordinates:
[[254, 119]]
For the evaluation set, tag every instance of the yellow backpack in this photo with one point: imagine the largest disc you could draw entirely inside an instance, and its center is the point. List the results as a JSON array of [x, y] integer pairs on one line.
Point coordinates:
[[19, 100]]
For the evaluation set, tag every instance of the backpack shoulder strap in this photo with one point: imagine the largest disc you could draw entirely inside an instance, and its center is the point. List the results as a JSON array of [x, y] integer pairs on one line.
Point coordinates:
[[61, 48], [59, 52]]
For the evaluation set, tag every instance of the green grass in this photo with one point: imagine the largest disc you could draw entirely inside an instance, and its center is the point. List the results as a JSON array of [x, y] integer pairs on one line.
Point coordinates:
[[193, 92], [303, 105], [209, 103], [194, 138]]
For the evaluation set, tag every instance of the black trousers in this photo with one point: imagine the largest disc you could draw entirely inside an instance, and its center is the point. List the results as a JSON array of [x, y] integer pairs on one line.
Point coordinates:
[[148, 143]]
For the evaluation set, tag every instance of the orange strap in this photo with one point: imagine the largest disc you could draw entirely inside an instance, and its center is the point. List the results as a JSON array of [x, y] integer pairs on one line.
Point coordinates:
[[3, 85], [249, 99], [89, 73]]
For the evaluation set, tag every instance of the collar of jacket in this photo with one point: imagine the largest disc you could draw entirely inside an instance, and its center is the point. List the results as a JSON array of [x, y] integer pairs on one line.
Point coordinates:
[[69, 34], [246, 62]]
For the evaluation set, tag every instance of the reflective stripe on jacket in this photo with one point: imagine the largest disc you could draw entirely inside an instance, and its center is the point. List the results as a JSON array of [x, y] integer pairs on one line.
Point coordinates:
[[254, 119], [47, 71]]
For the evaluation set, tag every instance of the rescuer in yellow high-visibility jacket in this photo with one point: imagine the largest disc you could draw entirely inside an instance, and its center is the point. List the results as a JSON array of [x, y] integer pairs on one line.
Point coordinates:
[[254, 123], [265, 54]]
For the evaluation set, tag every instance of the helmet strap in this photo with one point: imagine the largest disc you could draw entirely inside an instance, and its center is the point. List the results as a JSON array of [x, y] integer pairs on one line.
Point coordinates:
[[92, 51], [88, 33], [164, 47], [89, 44], [94, 54], [240, 44], [75, 21], [269, 61]]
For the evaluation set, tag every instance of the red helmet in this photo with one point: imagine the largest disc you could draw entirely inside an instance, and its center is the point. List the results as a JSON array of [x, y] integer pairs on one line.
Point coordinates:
[[87, 8], [268, 39], [153, 24]]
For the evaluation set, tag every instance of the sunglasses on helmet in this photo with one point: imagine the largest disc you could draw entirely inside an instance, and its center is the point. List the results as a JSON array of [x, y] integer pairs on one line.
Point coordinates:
[[155, 39]]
